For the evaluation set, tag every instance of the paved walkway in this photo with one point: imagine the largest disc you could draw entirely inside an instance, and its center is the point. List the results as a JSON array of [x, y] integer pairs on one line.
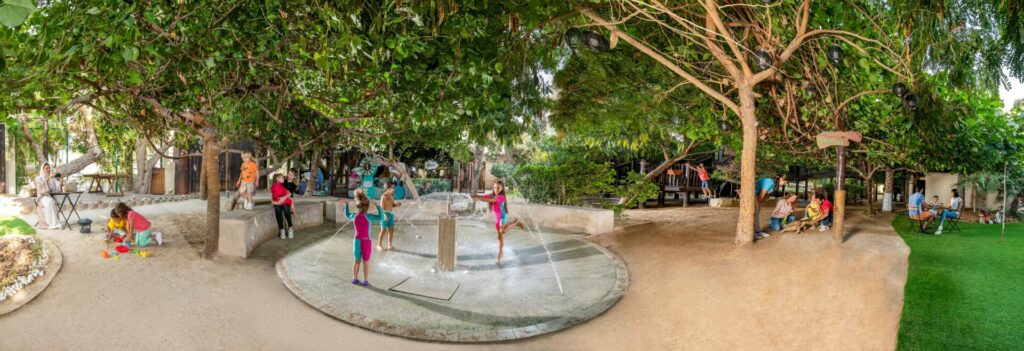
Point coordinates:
[[538, 289]]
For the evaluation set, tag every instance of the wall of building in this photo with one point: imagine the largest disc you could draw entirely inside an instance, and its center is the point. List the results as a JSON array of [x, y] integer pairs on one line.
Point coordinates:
[[941, 184], [937, 183]]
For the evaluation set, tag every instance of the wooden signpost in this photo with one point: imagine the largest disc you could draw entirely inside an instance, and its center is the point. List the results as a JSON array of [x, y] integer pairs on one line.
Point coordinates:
[[840, 140]]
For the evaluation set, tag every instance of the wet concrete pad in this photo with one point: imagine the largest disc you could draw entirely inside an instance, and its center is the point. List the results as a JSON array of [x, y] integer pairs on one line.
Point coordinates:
[[435, 289], [548, 281]]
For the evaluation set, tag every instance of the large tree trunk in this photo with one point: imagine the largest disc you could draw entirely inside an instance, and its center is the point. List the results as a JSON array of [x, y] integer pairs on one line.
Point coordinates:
[[144, 174], [202, 178], [748, 162], [211, 152], [870, 188], [888, 193], [37, 147], [314, 164], [93, 154]]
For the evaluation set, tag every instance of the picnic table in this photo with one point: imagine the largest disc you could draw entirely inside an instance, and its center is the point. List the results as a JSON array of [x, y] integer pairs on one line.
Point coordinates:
[[96, 182]]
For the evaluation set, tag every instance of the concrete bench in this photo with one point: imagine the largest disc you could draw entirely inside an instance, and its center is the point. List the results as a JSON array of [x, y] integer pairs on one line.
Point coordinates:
[[242, 231]]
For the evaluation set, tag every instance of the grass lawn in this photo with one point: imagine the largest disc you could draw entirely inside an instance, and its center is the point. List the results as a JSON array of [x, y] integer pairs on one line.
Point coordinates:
[[14, 225], [965, 290]]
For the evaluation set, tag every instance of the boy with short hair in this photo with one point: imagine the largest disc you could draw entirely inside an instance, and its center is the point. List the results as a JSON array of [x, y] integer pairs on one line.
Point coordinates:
[[387, 219], [246, 181]]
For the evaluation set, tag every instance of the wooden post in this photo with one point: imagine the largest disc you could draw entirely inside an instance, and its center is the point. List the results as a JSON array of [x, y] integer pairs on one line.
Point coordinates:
[[839, 212], [446, 242]]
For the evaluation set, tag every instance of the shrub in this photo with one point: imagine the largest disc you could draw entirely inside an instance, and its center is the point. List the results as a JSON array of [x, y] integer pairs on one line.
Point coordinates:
[[564, 183], [634, 190], [503, 171], [436, 184]]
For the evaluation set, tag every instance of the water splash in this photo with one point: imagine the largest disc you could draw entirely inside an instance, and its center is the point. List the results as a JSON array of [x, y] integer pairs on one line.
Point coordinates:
[[544, 242]]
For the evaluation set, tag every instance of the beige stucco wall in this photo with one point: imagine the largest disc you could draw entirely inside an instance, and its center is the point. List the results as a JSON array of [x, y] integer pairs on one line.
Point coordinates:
[[941, 184], [937, 183]]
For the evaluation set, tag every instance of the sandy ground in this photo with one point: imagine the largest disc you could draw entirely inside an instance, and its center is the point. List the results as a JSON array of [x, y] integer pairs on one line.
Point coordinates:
[[690, 289]]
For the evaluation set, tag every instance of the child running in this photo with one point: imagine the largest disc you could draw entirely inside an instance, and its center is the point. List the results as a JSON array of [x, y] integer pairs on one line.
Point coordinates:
[[387, 222], [283, 205], [362, 247], [502, 221], [116, 226], [246, 183], [139, 229]]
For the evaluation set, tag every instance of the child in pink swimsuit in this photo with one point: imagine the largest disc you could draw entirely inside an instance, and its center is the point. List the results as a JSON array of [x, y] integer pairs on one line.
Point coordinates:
[[502, 221], [362, 247]]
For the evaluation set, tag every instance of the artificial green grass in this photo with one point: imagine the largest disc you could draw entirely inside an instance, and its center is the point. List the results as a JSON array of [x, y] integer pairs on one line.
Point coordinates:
[[14, 225], [965, 290]]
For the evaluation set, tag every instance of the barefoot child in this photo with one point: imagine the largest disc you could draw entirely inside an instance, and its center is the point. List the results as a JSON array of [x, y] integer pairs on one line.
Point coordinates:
[[705, 179], [362, 247], [283, 205], [387, 223], [246, 183], [116, 226], [502, 221], [139, 229]]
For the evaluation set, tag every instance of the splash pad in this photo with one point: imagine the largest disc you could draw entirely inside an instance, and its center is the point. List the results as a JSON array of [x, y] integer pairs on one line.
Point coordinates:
[[548, 281]]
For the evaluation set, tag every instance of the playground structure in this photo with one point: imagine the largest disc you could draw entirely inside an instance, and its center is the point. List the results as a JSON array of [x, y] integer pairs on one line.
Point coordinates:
[[373, 176]]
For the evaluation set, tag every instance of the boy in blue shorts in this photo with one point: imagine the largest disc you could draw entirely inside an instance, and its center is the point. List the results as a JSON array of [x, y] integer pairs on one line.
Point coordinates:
[[387, 219]]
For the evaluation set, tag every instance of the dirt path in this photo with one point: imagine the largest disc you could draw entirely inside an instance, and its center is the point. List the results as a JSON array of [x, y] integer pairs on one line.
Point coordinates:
[[690, 289]]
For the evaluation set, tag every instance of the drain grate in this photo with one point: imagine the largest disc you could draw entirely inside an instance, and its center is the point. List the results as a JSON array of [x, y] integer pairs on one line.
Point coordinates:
[[435, 289]]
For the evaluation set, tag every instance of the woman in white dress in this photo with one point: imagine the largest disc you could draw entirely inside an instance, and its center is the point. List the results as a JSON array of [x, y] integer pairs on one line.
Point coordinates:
[[46, 183]]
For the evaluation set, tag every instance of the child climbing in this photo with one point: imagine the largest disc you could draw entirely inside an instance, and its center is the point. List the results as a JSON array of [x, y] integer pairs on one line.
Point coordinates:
[[246, 183], [116, 226], [705, 179], [362, 247], [387, 222], [139, 229], [283, 205], [502, 221]]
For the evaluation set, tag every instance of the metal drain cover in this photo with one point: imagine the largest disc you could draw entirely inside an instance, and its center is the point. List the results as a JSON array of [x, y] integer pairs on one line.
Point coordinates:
[[435, 288]]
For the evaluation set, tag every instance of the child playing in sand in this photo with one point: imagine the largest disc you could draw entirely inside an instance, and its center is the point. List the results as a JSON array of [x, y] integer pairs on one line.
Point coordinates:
[[139, 229], [246, 183], [813, 216], [387, 223], [283, 205], [116, 226], [502, 221], [362, 247]]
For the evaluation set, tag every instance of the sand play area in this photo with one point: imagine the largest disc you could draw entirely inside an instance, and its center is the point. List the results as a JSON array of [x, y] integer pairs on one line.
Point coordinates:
[[689, 288]]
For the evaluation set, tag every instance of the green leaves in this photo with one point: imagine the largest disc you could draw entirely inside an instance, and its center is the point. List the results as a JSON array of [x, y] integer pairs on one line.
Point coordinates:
[[130, 53], [14, 12]]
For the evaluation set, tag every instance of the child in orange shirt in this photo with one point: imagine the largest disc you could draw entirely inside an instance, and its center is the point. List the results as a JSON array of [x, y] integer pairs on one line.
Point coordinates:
[[246, 183]]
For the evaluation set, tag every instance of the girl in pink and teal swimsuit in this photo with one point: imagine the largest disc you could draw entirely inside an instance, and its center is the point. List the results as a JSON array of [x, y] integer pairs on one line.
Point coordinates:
[[502, 221], [362, 247]]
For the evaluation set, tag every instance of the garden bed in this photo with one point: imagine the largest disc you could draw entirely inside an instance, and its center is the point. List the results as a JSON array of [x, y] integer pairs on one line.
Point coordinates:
[[22, 260]]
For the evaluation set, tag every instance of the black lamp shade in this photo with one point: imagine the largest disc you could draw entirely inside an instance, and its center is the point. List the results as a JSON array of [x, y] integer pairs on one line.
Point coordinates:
[[835, 54], [723, 125], [763, 59], [912, 101], [899, 89]]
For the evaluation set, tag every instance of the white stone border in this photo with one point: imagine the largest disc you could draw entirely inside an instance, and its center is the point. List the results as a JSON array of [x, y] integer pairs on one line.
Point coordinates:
[[30, 291], [37, 269]]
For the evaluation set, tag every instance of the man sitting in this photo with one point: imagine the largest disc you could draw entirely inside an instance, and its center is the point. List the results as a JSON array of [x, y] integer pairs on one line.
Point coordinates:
[[917, 212]]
